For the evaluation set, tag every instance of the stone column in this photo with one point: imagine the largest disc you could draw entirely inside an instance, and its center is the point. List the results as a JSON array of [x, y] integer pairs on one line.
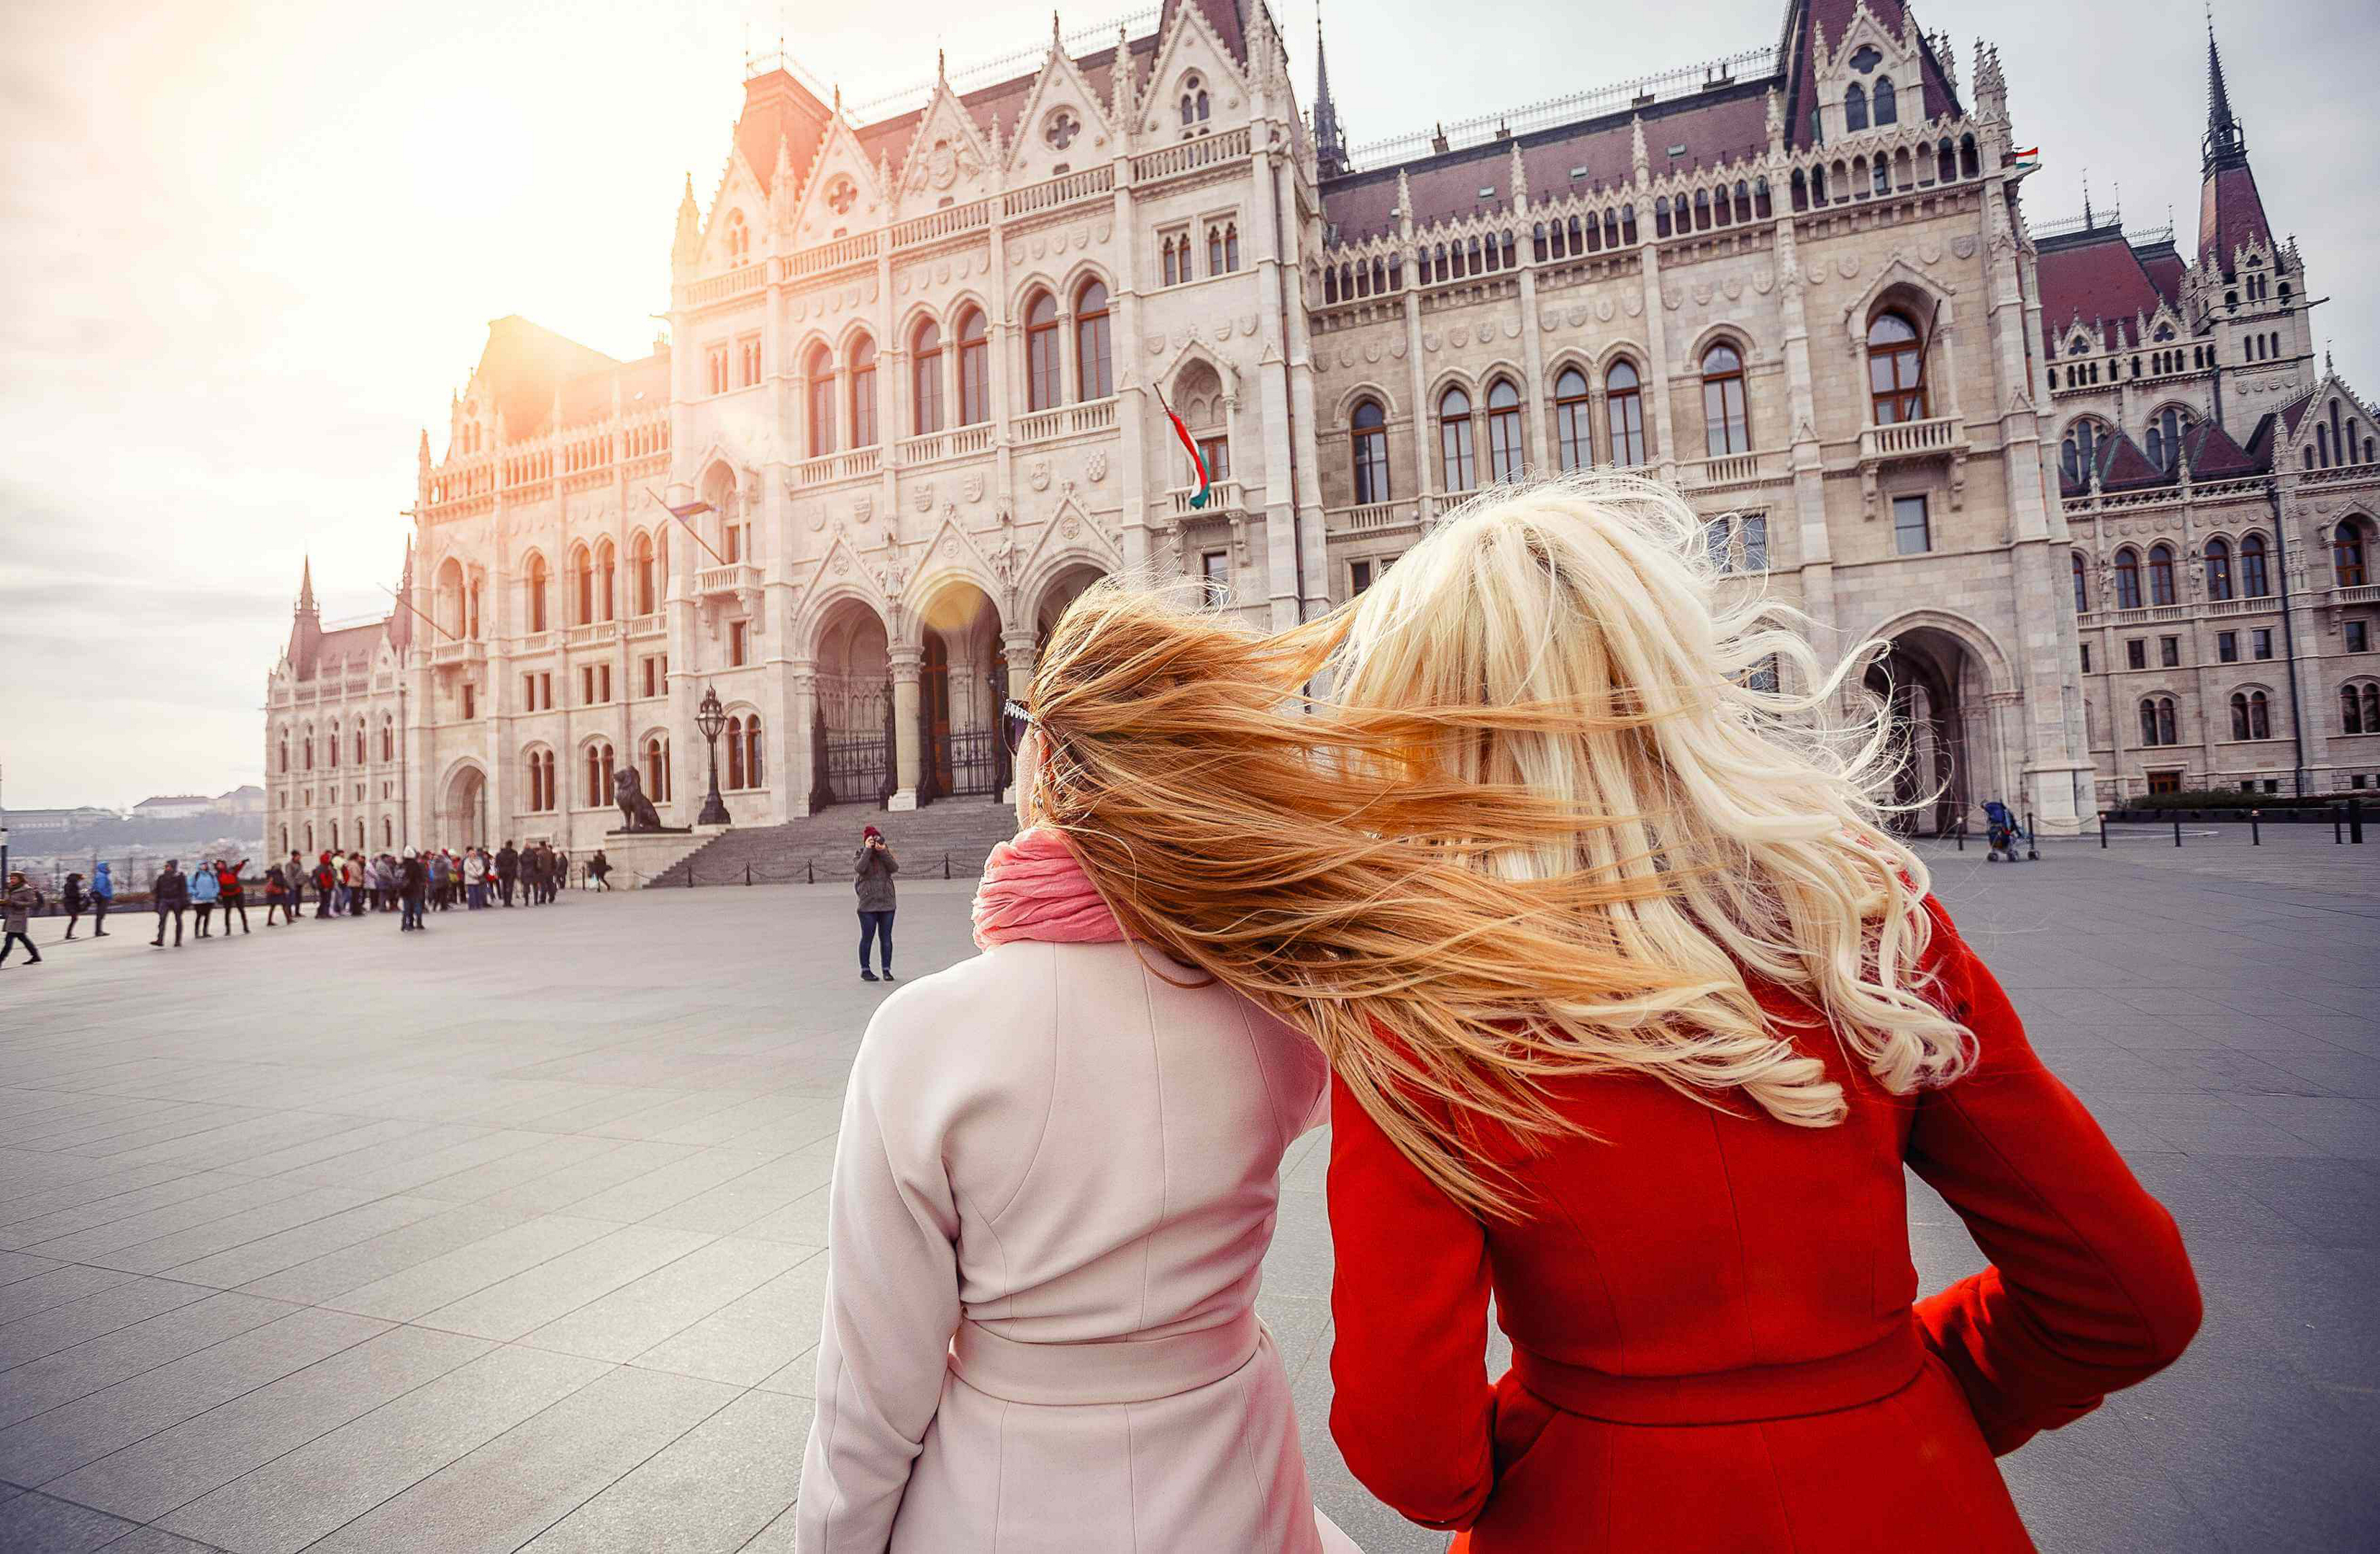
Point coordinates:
[[906, 756], [1656, 365], [799, 757], [1814, 555], [1019, 649]]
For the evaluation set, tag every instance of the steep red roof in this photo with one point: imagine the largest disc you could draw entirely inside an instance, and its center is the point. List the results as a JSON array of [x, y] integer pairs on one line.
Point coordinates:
[[2231, 212], [2165, 268], [1804, 18], [1726, 123], [2214, 457], [777, 105], [2093, 275], [2125, 467], [522, 364], [1003, 102], [1223, 14]]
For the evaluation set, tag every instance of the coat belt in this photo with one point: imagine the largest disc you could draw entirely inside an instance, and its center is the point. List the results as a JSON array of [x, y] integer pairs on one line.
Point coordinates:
[[1729, 1397], [1112, 1371]]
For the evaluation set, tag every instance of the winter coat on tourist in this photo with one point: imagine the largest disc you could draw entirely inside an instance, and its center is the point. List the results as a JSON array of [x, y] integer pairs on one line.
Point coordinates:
[[1055, 1181], [72, 897], [872, 868], [474, 869], [20, 903], [102, 883], [205, 885], [171, 888]]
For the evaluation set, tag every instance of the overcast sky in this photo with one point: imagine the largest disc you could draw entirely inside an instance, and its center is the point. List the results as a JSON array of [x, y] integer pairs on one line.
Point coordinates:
[[247, 248]]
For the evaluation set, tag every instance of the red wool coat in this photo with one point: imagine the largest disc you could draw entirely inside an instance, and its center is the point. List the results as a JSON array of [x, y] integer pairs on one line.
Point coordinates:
[[1717, 1339]]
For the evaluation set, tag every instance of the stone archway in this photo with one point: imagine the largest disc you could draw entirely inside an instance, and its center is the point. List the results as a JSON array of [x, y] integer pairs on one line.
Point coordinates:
[[463, 809], [852, 758], [1939, 693], [1061, 590], [962, 679]]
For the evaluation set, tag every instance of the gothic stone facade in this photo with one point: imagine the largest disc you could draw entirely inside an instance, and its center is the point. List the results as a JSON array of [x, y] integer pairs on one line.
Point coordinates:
[[916, 400]]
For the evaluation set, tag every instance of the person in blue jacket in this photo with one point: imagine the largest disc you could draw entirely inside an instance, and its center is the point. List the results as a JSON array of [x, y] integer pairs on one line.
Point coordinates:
[[204, 888], [102, 896]]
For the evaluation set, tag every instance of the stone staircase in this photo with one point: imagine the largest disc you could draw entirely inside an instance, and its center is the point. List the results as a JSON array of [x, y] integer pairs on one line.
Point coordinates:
[[961, 831]]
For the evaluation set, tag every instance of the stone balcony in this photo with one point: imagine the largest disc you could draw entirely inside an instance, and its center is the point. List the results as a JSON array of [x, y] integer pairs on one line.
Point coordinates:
[[1223, 496], [827, 469], [458, 654], [1934, 437], [1067, 420], [736, 580], [1370, 517], [1734, 469], [933, 448], [592, 633]]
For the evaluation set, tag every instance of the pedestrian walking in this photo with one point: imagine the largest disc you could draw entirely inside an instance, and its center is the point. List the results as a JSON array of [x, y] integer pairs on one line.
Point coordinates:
[[276, 896], [507, 869], [19, 906], [102, 896], [326, 887], [204, 887], [599, 869], [170, 894], [442, 879], [475, 879], [357, 881], [561, 871], [871, 877], [73, 899], [231, 894], [413, 886], [295, 874]]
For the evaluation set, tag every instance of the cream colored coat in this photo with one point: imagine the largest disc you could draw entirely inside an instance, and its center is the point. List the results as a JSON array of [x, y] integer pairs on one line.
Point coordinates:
[[1054, 1184]]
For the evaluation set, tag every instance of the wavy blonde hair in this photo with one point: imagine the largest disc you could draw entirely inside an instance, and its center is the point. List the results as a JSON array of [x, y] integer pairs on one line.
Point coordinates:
[[1547, 823]]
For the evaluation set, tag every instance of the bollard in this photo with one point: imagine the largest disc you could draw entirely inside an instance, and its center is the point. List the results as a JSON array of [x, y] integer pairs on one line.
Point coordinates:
[[810, 871], [2103, 831], [2177, 833], [689, 876], [2031, 852], [2256, 831], [747, 874], [946, 866], [1962, 835], [2355, 821]]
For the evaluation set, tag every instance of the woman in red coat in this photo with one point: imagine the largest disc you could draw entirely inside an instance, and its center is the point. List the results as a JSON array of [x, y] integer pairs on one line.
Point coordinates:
[[1717, 1342], [1636, 1014]]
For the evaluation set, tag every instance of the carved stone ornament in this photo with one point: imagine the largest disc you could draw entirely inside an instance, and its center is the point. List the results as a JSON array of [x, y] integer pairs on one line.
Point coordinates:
[[1097, 468], [924, 496], [862, 506], [973, 489], [1039, 476]]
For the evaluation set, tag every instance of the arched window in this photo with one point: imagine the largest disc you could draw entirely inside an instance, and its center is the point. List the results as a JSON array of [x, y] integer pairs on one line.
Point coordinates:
[[1855, 106], [1215, 249], [643, 577], [1367, 439], [1505, 452], [1455, 440], [1572, 434], [1044, 388], [310, 836], [925, 377], [597, 774], [2078, 453], [605, 566], [753, 776], [582, 586], [1624, 404], [1969, 166], [1887, 105], [284, 750], [387, 830], [2165, 436], [744, 752], [739, 238], [1194, 101], [1092, 370], [387, 737], [821, 407], [536, 587], [1881, 176], [2160, 574], [541, 794], [2218, 568], [657, 768], [2347, 555], [2255, 578], [363, 749], [2351, 709], [2128, 579], [975, 370], [2082, 583], [1726, 427], [2156, 721], [2251, 715], [308, 743], [1896, 370], [863, 393], [331, 746]]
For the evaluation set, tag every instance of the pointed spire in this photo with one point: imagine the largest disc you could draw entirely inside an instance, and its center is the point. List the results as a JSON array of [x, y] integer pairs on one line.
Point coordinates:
[[306, 587], [687, 247], [1329, 139], [2225, 145]]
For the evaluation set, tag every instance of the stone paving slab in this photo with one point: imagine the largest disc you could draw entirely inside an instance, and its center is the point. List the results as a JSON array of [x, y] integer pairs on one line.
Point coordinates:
[[538, 1262]]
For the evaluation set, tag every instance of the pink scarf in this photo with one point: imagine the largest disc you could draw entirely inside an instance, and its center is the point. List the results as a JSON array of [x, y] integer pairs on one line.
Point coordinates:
[[1035, 888]]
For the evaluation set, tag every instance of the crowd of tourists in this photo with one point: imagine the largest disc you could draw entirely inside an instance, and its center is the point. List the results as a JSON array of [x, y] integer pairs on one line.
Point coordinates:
[[210, 895]]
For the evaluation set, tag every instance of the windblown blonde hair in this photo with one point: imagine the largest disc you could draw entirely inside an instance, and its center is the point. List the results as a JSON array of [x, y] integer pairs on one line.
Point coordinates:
[[1546, 824]]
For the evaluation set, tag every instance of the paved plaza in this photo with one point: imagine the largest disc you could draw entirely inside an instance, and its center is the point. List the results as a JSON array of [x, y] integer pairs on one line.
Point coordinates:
[[510, 1235]]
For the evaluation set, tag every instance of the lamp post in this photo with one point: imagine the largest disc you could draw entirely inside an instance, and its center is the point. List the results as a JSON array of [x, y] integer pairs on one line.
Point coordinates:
[[710, 717]]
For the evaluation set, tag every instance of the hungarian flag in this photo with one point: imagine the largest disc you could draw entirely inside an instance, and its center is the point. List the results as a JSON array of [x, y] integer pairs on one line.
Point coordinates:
[[1190, 446], [686, 515], [2028, 160]]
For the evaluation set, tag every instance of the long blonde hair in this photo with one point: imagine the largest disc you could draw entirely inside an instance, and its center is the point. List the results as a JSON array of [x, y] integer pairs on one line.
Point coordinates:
[[1547, 823]]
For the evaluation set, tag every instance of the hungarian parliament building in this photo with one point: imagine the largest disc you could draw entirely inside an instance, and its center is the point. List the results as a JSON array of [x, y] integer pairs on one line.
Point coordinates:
[[2095, 488]]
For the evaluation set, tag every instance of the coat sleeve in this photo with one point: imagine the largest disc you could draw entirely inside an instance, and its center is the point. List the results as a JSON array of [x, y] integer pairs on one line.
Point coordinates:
[[1412, 1413], [2090, 1288], [891, 1305]]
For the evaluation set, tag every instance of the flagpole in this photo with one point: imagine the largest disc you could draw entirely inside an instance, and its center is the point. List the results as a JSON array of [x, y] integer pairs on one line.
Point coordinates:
[[689, 525], [409, 605]]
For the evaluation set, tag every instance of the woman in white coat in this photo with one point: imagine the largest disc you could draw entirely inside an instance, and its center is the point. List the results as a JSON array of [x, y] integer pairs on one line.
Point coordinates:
[[1053, 1187]]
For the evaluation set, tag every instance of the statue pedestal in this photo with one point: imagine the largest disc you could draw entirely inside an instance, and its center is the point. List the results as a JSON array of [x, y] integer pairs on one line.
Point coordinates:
[[637, 855]]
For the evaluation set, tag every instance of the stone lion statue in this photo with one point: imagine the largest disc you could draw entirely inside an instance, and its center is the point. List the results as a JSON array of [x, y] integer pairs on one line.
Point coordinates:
[[637, 811]]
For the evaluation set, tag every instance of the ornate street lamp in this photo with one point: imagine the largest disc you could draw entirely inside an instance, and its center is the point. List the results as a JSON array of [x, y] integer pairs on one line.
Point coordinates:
[[710, 717]]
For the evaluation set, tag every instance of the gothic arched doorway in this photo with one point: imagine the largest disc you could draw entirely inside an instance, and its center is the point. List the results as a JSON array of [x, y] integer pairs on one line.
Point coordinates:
[[963, 675], [463, 817], [1934, 686]]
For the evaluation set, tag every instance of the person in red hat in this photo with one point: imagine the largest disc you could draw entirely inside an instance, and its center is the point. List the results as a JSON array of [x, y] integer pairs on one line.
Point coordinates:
[[871, 877]]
